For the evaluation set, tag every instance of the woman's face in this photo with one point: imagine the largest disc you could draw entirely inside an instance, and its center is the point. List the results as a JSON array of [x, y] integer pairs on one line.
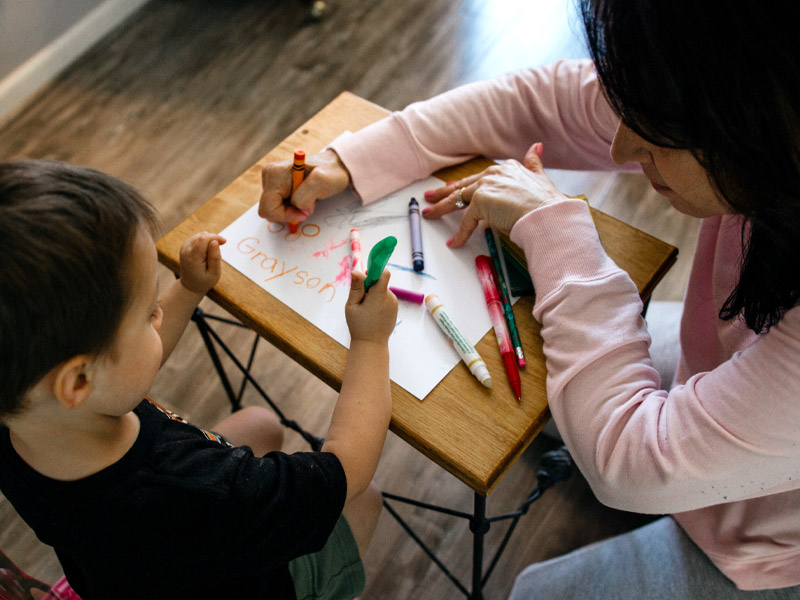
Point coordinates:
[[673, 173]]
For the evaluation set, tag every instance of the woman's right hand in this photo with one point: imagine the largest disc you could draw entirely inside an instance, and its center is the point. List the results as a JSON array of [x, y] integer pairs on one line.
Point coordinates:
[[326, 176]]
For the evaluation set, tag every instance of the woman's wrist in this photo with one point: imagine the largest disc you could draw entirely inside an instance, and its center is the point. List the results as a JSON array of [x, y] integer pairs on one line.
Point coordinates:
[[331, 159]]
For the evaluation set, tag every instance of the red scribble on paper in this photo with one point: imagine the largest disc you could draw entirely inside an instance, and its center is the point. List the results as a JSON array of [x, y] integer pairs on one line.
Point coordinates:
[[344, 271], [330, 246]]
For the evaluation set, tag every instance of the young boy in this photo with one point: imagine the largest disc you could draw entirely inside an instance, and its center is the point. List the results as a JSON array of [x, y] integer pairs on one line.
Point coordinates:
[[136, 502]]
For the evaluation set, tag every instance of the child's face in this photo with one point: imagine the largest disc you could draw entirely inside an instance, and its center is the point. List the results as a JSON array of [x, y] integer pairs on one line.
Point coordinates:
[[126, 374]]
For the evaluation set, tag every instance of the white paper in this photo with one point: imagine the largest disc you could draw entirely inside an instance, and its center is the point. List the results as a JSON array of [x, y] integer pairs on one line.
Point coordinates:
[[310, 272]]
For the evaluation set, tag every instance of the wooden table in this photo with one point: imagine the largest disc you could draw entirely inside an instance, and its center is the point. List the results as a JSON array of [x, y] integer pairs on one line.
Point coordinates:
[[474, 433]]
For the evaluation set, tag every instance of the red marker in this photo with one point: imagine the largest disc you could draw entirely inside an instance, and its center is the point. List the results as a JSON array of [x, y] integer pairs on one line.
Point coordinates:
[[355, 251], [489, 285], [298, 173]]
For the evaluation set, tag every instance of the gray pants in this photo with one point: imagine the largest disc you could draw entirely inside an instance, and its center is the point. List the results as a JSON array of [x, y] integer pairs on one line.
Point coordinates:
[[655, 562]]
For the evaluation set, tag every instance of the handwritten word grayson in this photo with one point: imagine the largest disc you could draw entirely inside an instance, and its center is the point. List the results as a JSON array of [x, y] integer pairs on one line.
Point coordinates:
[[249, 246]]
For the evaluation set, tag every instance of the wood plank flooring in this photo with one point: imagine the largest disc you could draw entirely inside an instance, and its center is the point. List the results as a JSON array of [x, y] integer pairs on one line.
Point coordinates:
[[188, 93]]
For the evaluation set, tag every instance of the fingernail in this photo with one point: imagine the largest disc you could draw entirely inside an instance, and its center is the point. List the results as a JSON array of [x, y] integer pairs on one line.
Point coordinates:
[[450, 241], [451, 183], [429, 194], [305, 212], [539, 148], [425, 210]]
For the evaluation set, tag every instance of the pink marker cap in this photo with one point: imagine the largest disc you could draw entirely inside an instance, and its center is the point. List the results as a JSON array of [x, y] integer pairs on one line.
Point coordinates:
[[407, 295]]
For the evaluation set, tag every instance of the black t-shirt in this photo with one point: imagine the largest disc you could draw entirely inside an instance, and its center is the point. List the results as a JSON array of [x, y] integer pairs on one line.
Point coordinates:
[[181, 515]]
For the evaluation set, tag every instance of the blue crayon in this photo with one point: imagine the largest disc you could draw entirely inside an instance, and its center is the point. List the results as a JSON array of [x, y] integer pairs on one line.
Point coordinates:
[[416, 236]]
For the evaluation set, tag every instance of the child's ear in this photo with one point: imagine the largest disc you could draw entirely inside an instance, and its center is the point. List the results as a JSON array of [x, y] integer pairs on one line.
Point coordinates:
[[72, 384]]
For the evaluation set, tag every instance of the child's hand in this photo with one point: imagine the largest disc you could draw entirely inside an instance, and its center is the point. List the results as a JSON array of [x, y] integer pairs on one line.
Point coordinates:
[[370, 317], [201, 262]]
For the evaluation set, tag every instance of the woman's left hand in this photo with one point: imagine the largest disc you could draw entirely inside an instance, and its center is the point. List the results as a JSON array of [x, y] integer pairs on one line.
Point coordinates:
[[500, 196]]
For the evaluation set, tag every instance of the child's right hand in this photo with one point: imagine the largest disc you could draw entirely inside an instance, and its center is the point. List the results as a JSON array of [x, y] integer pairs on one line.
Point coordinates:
[[372, 316]]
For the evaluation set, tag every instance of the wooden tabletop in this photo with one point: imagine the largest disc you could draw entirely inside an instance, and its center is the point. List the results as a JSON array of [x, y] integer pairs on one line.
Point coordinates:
[[474, 433]]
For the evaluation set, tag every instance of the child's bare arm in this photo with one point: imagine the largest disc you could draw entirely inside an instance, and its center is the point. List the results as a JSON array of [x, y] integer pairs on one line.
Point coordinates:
[[201, 266], [362, 414]]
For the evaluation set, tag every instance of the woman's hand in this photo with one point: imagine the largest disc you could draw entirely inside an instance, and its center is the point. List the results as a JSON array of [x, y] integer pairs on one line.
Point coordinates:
[[500, 195], [326, 176]]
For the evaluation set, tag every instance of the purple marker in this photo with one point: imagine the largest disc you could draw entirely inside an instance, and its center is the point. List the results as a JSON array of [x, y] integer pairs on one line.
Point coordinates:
[[407, 295], [416, 236]]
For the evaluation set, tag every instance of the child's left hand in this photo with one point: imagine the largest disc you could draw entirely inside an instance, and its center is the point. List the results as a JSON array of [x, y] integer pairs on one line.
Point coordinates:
[[201, 262]]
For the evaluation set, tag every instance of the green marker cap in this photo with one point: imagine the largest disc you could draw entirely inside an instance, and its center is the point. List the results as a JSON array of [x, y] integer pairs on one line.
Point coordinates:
[[378, 257]]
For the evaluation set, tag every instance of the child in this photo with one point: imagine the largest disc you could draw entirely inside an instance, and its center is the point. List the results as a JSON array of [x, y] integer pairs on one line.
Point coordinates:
[[136, 502]]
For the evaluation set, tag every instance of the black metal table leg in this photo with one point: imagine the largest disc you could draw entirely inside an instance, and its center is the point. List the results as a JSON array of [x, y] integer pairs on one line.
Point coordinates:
[[209, 337], [199, 318], [479, 525], [556, 465]]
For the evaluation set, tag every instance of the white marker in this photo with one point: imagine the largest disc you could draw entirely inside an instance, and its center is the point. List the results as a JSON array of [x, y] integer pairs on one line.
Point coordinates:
[[465, 350]]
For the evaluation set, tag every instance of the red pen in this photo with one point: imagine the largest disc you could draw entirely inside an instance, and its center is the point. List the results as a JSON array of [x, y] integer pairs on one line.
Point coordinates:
[[489, 285]]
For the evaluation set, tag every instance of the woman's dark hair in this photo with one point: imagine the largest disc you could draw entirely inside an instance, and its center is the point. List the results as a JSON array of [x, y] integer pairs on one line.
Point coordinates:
[[66, 234], [720, 79]]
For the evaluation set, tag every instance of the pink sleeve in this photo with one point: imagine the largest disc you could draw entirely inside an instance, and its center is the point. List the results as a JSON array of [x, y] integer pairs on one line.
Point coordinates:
[[726, 434], [561, 105]]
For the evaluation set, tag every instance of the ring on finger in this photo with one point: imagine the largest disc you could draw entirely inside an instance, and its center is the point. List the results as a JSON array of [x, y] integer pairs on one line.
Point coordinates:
[[460, 200]]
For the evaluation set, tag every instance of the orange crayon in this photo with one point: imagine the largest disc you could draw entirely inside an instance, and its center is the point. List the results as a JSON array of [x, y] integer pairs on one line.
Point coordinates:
[[298, 173]]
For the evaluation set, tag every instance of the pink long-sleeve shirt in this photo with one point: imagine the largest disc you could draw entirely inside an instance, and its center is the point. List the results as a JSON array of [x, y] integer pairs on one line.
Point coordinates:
[[720, 451]]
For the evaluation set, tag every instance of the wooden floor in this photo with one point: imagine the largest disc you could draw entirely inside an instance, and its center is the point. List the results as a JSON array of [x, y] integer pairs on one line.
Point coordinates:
[[188, 93]]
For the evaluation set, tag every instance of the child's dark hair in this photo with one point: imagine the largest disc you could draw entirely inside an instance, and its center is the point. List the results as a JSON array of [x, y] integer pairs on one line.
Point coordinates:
[[66, 234], [720, 80]]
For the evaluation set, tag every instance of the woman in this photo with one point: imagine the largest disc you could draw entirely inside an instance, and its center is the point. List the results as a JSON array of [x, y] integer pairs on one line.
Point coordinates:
[[702, 98]]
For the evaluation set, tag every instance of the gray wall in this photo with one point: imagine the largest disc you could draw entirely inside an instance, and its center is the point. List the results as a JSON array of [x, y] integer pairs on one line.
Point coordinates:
[[27, 26]]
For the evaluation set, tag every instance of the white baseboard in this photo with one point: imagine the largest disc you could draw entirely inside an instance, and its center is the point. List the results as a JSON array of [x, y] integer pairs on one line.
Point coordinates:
[[27, 79]]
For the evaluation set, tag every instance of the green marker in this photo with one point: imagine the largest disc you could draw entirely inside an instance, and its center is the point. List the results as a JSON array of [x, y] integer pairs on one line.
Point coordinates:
[[378, 257]]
